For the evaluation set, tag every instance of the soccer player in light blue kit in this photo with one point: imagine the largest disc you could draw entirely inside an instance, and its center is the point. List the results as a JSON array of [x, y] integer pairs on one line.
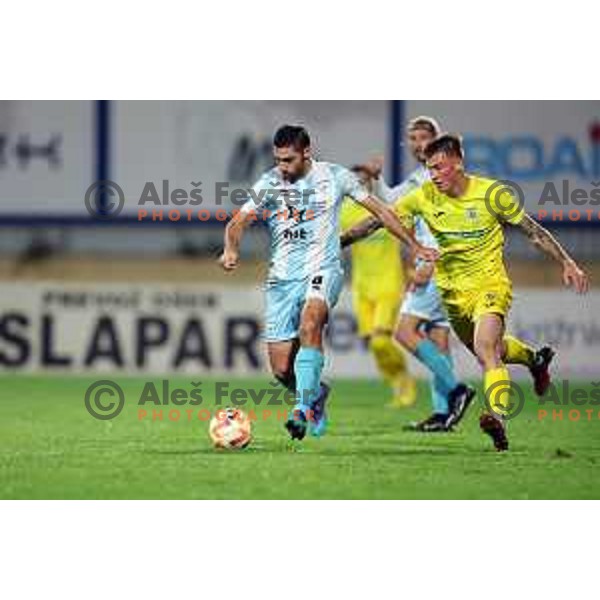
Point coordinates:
[[423, 327], [301, 199]]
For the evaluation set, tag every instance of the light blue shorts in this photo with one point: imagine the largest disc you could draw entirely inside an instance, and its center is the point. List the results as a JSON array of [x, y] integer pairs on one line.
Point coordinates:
[[425, 303], [285, 300]]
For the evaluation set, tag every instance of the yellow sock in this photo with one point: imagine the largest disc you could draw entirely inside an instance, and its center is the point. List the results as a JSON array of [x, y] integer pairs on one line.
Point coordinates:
[[496, 383], [390, 359], [518, 352]]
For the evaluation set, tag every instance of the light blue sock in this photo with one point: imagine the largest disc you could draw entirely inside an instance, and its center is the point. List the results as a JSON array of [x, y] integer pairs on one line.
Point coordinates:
[[307, 368], [439, 399], [437, 362]]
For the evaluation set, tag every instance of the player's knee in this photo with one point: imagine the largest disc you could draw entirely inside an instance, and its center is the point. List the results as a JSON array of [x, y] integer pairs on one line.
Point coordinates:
[[310, 333], [379, 343], [407, 336], [487, 353]]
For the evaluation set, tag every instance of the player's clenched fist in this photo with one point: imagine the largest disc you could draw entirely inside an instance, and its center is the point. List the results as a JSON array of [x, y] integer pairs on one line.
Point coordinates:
[[427, 254], [229, 260]]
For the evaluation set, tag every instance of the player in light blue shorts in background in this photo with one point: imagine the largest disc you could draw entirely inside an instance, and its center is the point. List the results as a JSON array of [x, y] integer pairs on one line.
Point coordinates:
[[300, 199], [423, 327]]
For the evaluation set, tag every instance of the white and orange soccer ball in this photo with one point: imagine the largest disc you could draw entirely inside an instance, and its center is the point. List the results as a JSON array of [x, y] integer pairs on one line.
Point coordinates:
[[230, 428]]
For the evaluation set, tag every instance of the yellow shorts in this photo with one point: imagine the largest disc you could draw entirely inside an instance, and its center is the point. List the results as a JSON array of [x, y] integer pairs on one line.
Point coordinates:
[[464, 307], [375, 312]]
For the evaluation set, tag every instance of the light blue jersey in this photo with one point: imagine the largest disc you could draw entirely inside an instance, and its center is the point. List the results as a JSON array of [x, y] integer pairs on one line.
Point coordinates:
[[303, 221], [303, 218]]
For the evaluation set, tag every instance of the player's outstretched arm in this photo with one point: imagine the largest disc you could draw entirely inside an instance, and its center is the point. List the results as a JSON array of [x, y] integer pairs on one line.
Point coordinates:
[[360, 231], [234, 231], [542, 239], [391, 222]]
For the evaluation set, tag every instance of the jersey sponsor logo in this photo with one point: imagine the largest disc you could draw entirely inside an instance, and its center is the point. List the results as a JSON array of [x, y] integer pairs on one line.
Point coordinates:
[[465, 235], [295, 234], [471, 214]]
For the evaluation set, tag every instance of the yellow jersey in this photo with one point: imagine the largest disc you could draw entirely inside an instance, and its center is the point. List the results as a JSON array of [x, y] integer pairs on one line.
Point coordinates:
[[376, 260], [468, 229]]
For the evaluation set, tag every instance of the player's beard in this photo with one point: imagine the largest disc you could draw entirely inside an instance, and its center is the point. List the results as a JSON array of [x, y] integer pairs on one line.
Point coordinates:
[[291, 178]]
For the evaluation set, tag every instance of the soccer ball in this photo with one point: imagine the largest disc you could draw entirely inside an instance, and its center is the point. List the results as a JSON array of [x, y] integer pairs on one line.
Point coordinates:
[[230, 428]]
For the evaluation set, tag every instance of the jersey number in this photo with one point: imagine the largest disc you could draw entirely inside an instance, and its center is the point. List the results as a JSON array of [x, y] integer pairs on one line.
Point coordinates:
[[317, 282]]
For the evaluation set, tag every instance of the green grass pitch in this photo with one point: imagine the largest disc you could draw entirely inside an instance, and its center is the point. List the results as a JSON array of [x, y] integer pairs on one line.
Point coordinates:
[[50, 447]]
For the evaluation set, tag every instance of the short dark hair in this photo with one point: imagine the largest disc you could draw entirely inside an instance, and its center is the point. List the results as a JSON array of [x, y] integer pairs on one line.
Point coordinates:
[[426, 123], [447, 143], [291, 135]]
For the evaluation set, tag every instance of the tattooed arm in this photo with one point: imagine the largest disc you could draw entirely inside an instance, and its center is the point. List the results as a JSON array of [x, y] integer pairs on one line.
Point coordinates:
[[360, 231], [384, 216], [390, 220], [542, 239]]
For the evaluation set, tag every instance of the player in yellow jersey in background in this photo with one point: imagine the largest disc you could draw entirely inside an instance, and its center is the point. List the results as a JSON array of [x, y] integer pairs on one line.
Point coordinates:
[[377, 290], [466, 215]]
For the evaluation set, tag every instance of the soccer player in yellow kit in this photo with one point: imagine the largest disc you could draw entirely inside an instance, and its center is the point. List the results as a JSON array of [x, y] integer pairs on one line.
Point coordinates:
[[466, 215], [377, 290]]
